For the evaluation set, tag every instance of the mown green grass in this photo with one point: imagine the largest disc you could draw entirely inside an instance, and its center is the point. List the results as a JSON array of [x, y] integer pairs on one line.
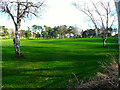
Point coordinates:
[[50, 63]]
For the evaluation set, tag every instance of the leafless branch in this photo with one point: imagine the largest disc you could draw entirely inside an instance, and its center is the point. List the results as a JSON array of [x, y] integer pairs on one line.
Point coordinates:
[[101, 9]]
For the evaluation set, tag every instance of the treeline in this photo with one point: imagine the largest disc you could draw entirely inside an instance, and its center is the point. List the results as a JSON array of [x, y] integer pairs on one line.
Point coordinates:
[[61, 31], [64, 31], [46, 32]]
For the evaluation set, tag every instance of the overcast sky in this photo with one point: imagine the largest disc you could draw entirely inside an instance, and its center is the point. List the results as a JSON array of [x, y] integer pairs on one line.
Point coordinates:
[[57, 12]]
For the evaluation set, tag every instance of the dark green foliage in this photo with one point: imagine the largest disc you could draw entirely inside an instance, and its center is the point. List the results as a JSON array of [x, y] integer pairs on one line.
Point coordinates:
[[88, 33], [84, 34], [70, 30], [91, 32], [36, 28], [54, 34], [45, 34], [27, 34], [5, 31], [37, 35]]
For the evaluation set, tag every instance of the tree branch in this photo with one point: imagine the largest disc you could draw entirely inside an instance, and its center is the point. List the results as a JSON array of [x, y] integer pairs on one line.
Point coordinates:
[[8, 11]]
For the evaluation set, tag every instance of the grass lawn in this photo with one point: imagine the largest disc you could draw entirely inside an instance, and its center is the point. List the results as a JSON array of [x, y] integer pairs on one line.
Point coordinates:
[[50, 63]]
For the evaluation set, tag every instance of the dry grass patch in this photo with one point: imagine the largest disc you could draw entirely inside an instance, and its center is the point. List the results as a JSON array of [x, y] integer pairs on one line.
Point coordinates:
[[107, 79]]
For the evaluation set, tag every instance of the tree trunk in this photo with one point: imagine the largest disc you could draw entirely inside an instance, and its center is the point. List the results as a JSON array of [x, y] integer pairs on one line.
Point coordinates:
[[17, 45], [104, 39], [103, 42], [96, 30]]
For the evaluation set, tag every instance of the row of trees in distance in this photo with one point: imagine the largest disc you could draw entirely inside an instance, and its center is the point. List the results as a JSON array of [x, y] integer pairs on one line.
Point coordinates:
[[61, 31], [46, 32]]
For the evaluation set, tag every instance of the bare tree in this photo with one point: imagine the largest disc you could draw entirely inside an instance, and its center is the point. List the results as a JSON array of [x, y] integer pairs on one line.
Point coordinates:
[[76, 31], [61, 30], [20, 10], [101, 13]]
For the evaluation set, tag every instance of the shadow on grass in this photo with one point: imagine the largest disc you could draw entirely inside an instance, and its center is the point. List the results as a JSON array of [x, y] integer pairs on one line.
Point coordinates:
[[37, 53], [25, 76]]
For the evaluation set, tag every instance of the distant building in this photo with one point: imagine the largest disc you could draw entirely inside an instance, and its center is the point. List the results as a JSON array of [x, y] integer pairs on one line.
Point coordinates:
[[33, 34], [22, 33]]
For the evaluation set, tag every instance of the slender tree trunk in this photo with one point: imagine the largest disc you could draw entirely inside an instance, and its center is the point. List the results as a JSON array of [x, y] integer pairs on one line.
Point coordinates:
[[104, 39], [103, 42], [16, 39], [17, 44], [96, 30]]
